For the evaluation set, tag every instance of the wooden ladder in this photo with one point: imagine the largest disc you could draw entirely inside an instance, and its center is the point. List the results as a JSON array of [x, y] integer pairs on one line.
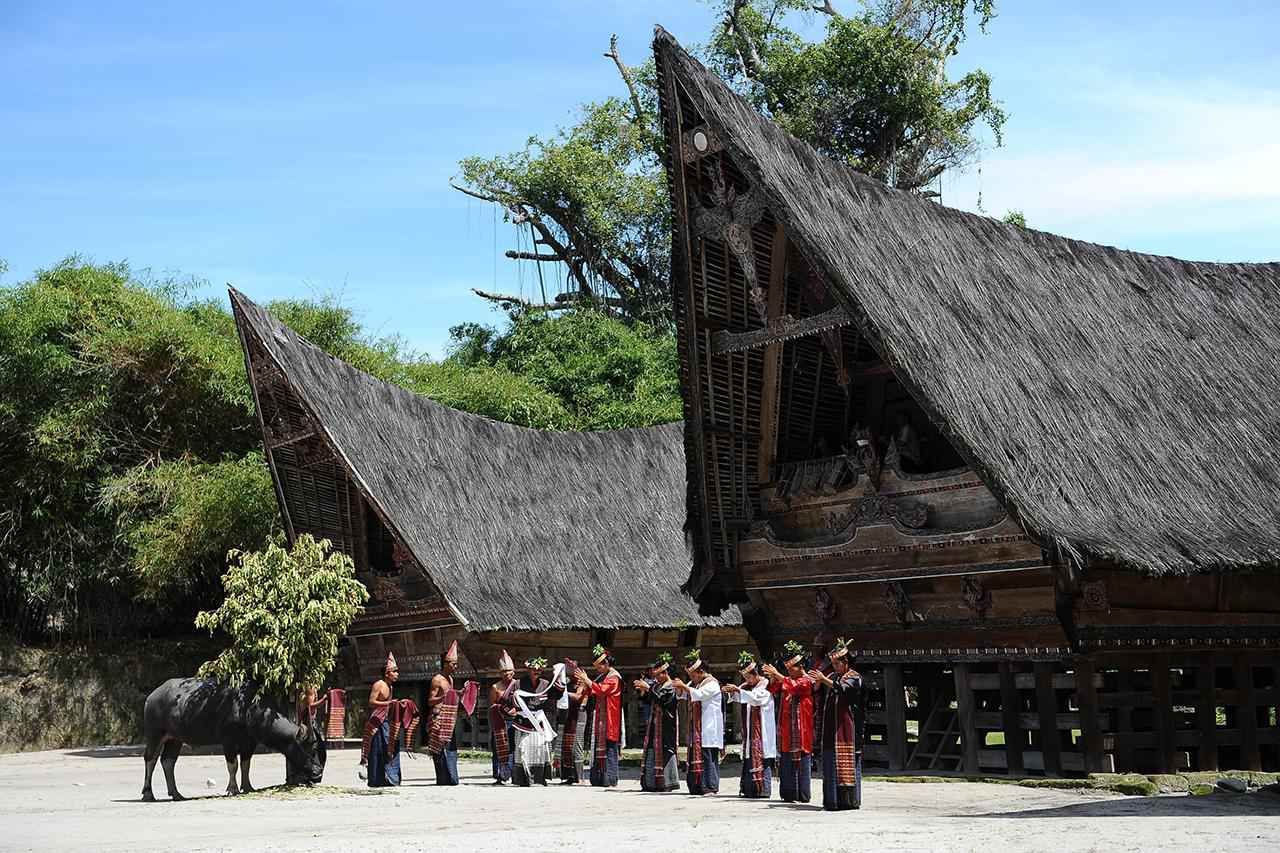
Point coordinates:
[[946, 747]]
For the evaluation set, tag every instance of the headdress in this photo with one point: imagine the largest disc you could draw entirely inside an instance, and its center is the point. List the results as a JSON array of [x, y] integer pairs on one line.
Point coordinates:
[[451, 653], [661, 662], [746, 662], [598, 653], [693, 660], [794, 653], [505, 663], [536, 663], [390, 664], [840, 649]]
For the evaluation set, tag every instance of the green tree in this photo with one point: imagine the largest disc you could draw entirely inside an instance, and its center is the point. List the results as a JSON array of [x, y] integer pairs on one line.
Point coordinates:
[[283, 613], [1015, 217], [874, 91], [608, 374], [593, 198]]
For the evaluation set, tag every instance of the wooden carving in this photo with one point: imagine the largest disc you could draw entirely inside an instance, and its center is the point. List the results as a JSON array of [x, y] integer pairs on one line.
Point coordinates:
[[823, 605], [976, 597], [898, 601], [729, 218]]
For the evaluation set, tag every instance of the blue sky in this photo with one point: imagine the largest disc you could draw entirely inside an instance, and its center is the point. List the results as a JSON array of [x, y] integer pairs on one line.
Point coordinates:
[[304, 149]]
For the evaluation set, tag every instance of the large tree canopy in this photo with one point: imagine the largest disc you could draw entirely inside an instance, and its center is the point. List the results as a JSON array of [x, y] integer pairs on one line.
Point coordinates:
[[872, 92]]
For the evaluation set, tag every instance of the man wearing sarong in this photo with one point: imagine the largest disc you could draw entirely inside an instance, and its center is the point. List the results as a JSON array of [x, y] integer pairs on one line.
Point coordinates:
[[842, 727], [759, 728], [706, 726], [442, 711], [572, 721], [532, 755], [377, 750], [606, 736], [660, 770], [502, 710], [795, 724]]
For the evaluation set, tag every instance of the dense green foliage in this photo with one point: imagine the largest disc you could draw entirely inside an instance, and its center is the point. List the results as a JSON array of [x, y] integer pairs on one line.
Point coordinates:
[[128, 440], [283, 613], [874, 91], [608, 375]]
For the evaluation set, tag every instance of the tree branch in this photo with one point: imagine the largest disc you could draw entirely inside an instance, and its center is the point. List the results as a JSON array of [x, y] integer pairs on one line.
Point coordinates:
[[508, 299], [535, 256], [626, 78], [828, 9], [751, 63]]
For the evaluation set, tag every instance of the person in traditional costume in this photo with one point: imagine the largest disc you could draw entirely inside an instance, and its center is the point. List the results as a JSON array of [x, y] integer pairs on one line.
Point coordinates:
[[795, 723], [660, 769], [843, 721], [443, 702], [502, 711], [706, 726], [378, 751], [759, 728], [606, 736], [531, 745], [572, 724]]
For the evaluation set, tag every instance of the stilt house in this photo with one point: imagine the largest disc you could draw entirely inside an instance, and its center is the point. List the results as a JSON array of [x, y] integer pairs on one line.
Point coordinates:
[[1036, 480], [542, 543]]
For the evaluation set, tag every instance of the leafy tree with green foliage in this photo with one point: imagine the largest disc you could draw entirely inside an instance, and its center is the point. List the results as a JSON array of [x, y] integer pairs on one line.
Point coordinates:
[[179, 518], [608, 374], [594, 200], [1015, 217], [284, 612], [873, 92]]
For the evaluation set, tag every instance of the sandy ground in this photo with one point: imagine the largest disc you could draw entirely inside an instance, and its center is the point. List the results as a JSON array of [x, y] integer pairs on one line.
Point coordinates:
[[88, 800]]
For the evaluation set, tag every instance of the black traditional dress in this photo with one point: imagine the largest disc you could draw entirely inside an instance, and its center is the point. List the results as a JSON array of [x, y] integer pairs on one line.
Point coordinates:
[[660, 768], [843, 722]]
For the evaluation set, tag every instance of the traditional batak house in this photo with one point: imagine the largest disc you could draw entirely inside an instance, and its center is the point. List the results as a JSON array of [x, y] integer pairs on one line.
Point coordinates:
[[542, 543], [1035, 480]]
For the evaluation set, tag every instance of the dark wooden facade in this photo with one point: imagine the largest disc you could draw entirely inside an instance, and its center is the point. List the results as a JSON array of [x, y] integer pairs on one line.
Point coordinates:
[[827, 500]]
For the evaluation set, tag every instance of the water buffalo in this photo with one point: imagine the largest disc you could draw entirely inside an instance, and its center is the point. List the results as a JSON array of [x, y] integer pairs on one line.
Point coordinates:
[[202, 712]]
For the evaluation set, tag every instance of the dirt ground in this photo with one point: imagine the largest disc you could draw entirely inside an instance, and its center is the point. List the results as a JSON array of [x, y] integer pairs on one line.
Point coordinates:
[[88, 800]]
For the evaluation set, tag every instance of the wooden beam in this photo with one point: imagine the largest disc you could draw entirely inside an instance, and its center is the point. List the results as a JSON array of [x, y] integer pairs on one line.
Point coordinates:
[[1047, 704], [1087, 699], [1010, 708], [1246, 714], [771, 385], [1207, 717], [1163, 699], [895, 716], [965, 710], [782, 329], [1124, 724]]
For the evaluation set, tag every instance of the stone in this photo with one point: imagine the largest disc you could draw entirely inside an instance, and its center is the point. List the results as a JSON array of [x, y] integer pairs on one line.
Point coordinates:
[[1235, 786]]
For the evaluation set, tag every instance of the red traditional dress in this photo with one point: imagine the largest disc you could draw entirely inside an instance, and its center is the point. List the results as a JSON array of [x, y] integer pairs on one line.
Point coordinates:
[[795, 737], [606, 738]]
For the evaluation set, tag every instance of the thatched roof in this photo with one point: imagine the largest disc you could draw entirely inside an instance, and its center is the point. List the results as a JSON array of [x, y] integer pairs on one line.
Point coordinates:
[[518, 528], [1124, 406]]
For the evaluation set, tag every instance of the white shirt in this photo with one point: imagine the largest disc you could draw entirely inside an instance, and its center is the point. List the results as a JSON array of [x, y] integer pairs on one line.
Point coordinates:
[[760, 697], [708, 693]]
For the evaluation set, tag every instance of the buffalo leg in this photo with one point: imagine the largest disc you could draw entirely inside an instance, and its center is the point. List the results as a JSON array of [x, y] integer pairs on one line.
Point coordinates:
[[167, 759], [229, 753], [245, 757], [149, 756]]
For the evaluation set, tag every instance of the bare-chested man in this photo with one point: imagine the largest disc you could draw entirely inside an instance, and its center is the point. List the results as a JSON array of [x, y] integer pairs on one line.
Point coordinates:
[[442, 711], [377, 730], [502, 710]]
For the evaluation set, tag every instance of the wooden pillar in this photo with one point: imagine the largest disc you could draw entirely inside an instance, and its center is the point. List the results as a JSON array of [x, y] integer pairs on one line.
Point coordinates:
[[1047, 703], [1010, 709], [965, 710], [1087, 699], [1207, 716], [1124, 721], [895, 716], [1246, 714], [1163, 699]]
